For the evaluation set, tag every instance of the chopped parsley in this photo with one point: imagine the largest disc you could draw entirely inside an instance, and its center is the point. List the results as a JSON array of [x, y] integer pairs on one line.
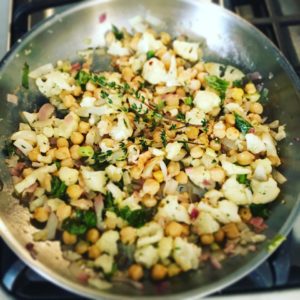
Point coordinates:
[[101, 159], [204, 124], [241, 124], [237, 83], [150, 54], [260, 210], [25, 78], [264, 96], [58, 188], [163, 137], [188, 101], [119, 35], [218, 84], [180, 116], [82, 78], [9, 149], [242, 178]]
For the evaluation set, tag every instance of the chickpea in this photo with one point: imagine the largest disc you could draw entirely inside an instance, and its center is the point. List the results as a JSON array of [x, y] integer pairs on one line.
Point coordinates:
[[62, 142], [180, 92], [219, 130], [77, 91], [217, 174], [232, 133], [184, 108], [94, 252], [173, 270], [77, 138], [62, 153], [173, 168], [81, 247], [165, 38], [151, 186], [215, 145], [230, 119], [172, 100], [83, 127], [219, 236], [250, 88], [237, 94], [27, 171], [74, 191], [185, 230], [33, 154], [275, 160], [256, 108], [45, 182], [68, 101], [93, 235], [127, 74], [136, 272], [194, 85], [174, 229], [192, 132], [74, 152], [68, 162], [231, 230], [63, 211], [158, 176], [128, 235], [207, 239], [159, 272], [196, 152], [245, 158], [90, 86], [149, 201], [245, 214], [41, 214], [136, 172], [68, 238], [255, 118], [51, 153], [181, 178]]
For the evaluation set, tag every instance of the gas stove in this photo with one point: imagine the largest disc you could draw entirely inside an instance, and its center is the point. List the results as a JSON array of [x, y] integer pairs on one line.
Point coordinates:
[[280, 274]]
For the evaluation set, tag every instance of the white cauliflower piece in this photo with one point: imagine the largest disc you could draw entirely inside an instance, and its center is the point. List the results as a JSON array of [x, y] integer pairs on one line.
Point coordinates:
[[148, 43], [206, 101], [23, 146], [67, 126], [262, 168], [186, 255], [118, 195], [105, 262], [234, 107], [156, 152], [117, 49], [171, 78], [165, 247], [27, 135], [104, 127], [43, 143], [123, 130], [170, 210], [132, 202], [53, 83], [68, 175], [264, 191], [30, 117], [236, 192], [87, 101], [133, 153], [186, 50], [154, 71], [94, 180], [213, 196], [195, 116], [103, 110], [231, 73], [137, 62], [114, 173], [199, 176], [270, 144], [205, 223], [146, 256], [172, 150], [150, 233], [254, 143], [225, 212], [232, 169], [108, 242]]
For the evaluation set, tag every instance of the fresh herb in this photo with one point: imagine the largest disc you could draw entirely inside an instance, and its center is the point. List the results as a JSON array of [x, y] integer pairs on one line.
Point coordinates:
[[173, 127], [276, 242], [180, 116], [9, 149], [163, 137], [58, 164], [25, 78], [188, 101], [204, 125], [109, 202], [86, 151], [144, 144], [150, 54], [264, 96], [124, 149], [217, 84], [242, 178], [82, 78], [101, 157], [185, 145], [118, 34], [241, 124], [260, 210], [136, 218], [237, 83], [161, 104], [58, 188], [88, 217], [74, 227]]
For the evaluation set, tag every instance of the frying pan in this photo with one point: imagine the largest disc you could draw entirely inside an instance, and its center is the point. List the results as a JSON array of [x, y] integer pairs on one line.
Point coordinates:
[[225, 38]]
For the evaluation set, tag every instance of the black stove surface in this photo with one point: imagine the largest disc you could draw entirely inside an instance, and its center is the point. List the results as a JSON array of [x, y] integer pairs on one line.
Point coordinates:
[[280, 21]]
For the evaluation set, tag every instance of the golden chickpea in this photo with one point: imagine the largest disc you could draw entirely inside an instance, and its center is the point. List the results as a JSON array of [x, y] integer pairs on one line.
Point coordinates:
[[173, 270], [184, 108], [232, 133], [77, 138], [74, 191], [46, 182], [77, 91], [174, 229], [219, 236], [255, 118], [159, 272], [250, 88], [245, 158], [62, 142], [149, 201], [136, 272], [74, 152], [94, 252], [33, 154], [68, 162], [63, 211], [27, 171], [41, 214], [81, 247], [51, 153], [128, 235], [92, 235], [173, 168], [172, 100], [231, 230], [165, 38], [219, 130], [158, 176], [230, 119], [62, 153], [196, 152], [180, 92], [245, 214], [68, 101], [256, 108], [192, 132], [217, 174], [83, 127], [207, 239], [237, 94], [151, 186], [215, 145], [136, 172], [194, 85], [181, 178], [68, 238], [185, 230], [127, 74]]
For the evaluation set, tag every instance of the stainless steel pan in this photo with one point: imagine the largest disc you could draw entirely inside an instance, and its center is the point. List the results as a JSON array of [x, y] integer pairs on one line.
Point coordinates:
[[227, 38]]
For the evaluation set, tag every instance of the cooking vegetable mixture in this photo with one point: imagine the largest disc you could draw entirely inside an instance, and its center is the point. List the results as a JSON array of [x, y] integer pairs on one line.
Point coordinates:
[[158, 167]]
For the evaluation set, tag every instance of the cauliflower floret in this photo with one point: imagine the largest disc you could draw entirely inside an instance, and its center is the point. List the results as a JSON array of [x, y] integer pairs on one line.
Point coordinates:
[[147, 43], [30, 117], [68, 175], [186, 255], [232, 169], [105, 262], [94, 180], [114, 173], [123, 130], [147, 256], [108, 242], [234, 107], [200, 177], [165, 247], [254, 143], [133, 153], [113, 220], [43, 143], [117, 49], [231, 73], [137, 62], [132, 202], [213, 196], [236, 192], [150, 233], [205, 223], [170, 210], [270, 144], [264, 191], [206, 101], [262, 168], [225, 212], [154, 71], [195, 116], [173, 149], [87, 101], [186, 50], [116, 192], [23, 146], [67, 126]]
